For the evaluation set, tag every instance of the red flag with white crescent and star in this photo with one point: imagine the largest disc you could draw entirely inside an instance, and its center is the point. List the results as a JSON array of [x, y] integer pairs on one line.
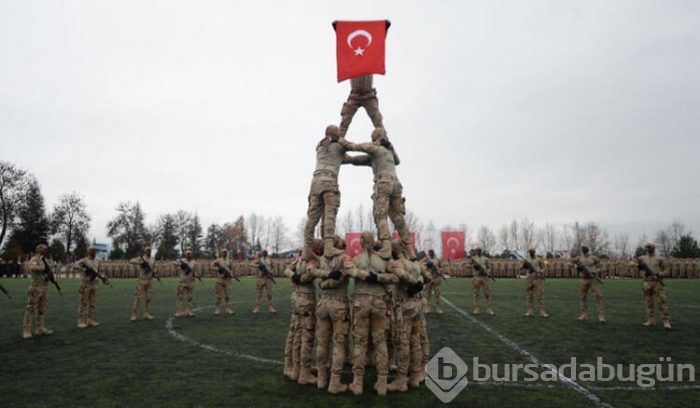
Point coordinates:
[[352, 244], [360, 47], [452, 245]]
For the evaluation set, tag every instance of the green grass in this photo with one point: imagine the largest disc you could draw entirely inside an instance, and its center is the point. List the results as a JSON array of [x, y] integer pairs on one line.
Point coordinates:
[[140, 364]]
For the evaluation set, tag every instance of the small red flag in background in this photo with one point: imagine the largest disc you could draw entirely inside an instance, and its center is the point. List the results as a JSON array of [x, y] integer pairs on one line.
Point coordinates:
[[414, 238], [360, 47], [452, 245], [352, 244]]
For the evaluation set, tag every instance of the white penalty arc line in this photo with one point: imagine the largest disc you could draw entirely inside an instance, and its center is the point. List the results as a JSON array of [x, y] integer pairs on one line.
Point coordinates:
[[566, 381]]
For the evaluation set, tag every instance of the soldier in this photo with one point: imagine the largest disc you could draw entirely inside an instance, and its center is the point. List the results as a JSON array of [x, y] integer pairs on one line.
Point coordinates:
[[653, 284], [324, 195], [144, 287], [185, 289], [38, 295], [588, 265], [369, 313], [264, 267], [291, 353], [224, 277], [408, 319], [435, 284], [361, 94], [89, 268], [387, 197], [481, 280], [332, 319], [534, 265]]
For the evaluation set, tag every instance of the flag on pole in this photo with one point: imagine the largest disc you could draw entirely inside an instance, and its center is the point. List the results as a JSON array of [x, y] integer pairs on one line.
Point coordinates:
[[452, 245]]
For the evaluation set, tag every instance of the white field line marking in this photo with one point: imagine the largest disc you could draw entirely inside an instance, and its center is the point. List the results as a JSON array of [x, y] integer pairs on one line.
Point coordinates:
[[637, 388], [687, 306], [566, 381]]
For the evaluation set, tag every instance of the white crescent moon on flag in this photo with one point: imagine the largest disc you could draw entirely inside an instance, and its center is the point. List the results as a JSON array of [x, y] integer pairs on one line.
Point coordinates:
[[355, 243], [452, 248], [357, 33]]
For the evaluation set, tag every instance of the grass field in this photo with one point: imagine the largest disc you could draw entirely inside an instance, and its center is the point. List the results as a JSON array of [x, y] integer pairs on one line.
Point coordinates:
[[211, 361]]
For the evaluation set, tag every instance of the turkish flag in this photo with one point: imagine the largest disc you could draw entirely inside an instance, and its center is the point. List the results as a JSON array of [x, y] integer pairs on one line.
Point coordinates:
[[352, 244], [360, 47], [414, 238], [452, 245]]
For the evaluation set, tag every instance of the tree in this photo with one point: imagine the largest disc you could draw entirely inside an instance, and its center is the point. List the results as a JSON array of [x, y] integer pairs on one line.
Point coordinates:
[[182, 224], [194, 236], [622, 245], [167, 239], [128, 230], [116, 253], [237, 238], [32, 227], [70, 218], [255, 225], [486, 239], [663, 242], [215, 240], [550, 238], [348, 223], [514, 235], [56, 250], [527, 233], [687, 247], [12, 251], [279, 234], [13, 188], [81, 245], [503, 237]]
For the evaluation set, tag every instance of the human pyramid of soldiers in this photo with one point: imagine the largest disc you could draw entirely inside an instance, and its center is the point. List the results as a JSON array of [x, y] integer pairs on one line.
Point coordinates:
[[387, 306]]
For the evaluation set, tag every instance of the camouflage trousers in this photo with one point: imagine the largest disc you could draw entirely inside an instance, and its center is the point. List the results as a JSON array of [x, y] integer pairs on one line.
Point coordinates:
[[593, 286], [434, 287], [304, 307], [656, 290], [289, 351], [144, 288], [424, 341], [88, 300], [534, 288], [263, 284], [369, 318], [482, 282], [388, 201], [368, 101], [333, 319], [324, 200], [184, 295], [223, 290], [37, 302], [409, 320]]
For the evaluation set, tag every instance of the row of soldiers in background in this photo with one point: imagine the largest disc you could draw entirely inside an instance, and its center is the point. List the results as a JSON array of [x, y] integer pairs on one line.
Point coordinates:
[[91, 273], [382, 322], [652, 268]]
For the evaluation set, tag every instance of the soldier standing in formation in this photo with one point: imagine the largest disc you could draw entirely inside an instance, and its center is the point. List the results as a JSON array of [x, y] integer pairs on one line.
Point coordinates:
[[185, 288], [589, 264], [534, 267], [89, 268], [144, 286], [224, 277], [434, 287], [264, 267], [653, 284], [481, 280], [38, 295]]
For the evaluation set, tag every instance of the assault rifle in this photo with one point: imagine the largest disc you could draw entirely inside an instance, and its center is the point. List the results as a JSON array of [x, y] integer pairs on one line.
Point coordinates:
[[527, 264], [227, 273], [94, 274], [482, 270], [50, 276], [266, 272], [587, 273], [434, 268], [188, 270], [147, 265], [3, 290], [648, 272]]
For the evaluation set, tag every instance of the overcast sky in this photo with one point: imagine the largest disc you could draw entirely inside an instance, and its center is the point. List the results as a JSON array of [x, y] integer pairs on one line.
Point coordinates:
[[558, 111]]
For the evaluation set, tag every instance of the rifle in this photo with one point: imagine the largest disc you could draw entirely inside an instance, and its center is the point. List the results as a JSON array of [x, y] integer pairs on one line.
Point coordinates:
[[94, 274], [227, 273], [266, 272], [431, 265], [528, 265], [3, 290], [147, 265], [188, 271], [482, 270], [643, 266], [50, 276], [586, 272]]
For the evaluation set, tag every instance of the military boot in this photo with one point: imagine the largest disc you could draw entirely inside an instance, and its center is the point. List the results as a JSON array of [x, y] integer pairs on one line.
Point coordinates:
[[649, 323], [601, 317], [147, 315], [400, 383], [27, 328], [439, 309], [294, 374], [40, 329], [356, 386], [271, 308], [528, 313], [543, 313], [329, 249], [335, 385], [490, 312], [217, 310], [322, 379], [306, 377], [229, 311], [667, 325], [476, 311], [583, 316], [380, 385], [385, 251], [133, 316], [189, 311], [92, 323], [82, 323], [415, 379], [307, 254], [178, 313], [257, 309]]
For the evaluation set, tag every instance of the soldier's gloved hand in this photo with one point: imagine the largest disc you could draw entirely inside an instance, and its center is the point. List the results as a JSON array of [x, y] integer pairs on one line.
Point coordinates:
[[430, 264], [386, 143], [261, 267], [335, 274], [372, 278], [296, 279]]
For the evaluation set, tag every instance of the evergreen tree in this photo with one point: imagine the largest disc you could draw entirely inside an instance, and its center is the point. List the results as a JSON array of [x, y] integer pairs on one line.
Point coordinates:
[[128, 230], [687, 247], [194, 236], [57, 251], [167, 237], [32, 227]]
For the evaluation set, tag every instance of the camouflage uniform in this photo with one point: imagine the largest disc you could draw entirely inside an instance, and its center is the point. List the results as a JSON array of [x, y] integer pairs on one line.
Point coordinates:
[[304, 307], [434, 287], [291, 354], [534, 284], [479, 281], [37, 298], [89, 286], [144, 287], [185, 288], [589, 283], [655, 289], [361, 94], [223, 284], [263, 283]]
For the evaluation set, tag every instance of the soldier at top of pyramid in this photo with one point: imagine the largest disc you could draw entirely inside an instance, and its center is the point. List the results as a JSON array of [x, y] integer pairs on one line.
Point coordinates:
[[387, 197], [324, 195], [361, 94]]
